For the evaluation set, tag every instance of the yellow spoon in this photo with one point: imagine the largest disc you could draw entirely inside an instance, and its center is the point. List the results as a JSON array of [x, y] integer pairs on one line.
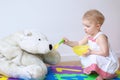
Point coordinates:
[[58, 44], [67, 69]]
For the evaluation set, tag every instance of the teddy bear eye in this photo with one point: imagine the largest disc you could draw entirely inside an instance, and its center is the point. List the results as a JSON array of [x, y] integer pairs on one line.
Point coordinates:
[[39, 39]]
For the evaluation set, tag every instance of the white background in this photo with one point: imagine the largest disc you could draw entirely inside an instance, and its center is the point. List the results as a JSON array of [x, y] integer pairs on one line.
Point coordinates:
[[59, 18]]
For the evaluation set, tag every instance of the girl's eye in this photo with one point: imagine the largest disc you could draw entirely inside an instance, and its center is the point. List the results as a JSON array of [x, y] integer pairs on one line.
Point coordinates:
[[39, 39], [87, 26]]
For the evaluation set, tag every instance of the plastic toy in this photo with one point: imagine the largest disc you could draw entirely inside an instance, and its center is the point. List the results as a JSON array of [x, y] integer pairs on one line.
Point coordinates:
[[58, 44], [118, 72], [80, 50]]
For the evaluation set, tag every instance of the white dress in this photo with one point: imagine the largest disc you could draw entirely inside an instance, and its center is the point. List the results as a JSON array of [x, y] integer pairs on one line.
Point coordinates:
[[104, 66]]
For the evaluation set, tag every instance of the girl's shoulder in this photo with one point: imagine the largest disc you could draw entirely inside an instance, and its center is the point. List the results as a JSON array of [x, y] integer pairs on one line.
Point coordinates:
[[102, 37]]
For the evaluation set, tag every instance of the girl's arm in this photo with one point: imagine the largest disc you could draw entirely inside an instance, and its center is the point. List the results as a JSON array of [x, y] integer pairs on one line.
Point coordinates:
[[84, 40], [102, 42], [75, 43]]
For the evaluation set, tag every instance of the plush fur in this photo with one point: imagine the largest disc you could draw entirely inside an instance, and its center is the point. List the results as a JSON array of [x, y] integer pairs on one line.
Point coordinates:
[[24, 54]]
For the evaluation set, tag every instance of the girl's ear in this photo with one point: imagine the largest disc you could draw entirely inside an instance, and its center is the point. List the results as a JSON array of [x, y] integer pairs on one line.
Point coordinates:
[[98, 26]]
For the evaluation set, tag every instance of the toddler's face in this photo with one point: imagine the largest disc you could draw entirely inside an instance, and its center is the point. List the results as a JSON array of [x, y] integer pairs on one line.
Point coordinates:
[[90, 27]]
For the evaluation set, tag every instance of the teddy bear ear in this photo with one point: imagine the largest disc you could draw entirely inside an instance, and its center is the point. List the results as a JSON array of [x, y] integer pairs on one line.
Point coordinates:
[[28, 33]]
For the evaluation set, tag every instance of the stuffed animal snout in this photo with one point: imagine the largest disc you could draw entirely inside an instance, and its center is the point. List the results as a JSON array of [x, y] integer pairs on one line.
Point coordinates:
[[50, 46]]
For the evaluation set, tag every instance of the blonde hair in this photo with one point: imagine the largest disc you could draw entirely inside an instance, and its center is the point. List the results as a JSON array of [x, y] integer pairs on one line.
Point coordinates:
[[94, 15]]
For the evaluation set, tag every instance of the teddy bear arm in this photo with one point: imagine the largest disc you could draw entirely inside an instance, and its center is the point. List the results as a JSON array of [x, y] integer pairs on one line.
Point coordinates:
[[52, 57], [12, 54]]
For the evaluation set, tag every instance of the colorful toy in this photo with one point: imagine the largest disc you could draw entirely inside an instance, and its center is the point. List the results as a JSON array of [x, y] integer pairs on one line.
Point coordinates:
[[70, 73], [58, 44], [2, 77], [80, 50]]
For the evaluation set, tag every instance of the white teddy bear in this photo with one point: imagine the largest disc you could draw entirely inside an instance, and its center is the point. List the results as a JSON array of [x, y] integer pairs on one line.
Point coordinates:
[[24, 54]]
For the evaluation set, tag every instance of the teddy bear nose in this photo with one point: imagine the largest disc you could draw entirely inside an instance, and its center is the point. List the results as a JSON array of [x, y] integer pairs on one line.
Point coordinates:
[[50, 46]]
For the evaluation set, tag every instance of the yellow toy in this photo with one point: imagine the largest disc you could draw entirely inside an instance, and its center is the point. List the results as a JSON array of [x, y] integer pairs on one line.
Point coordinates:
[[118, 72], [80, 50], [58, 44], [3, 77]]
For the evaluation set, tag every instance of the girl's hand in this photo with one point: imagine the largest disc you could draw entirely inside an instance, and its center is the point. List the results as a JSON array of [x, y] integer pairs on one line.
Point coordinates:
[[87, 53], [66, 40], [70, 43]]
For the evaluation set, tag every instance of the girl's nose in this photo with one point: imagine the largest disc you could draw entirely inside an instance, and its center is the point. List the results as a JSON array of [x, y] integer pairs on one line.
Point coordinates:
[[84, 28]]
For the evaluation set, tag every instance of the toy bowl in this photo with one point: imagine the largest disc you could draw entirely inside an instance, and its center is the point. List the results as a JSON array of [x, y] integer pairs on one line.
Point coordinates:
[[80, 50]]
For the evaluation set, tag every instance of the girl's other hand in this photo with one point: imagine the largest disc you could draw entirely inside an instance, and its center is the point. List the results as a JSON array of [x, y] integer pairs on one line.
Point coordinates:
[[87, 53]]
